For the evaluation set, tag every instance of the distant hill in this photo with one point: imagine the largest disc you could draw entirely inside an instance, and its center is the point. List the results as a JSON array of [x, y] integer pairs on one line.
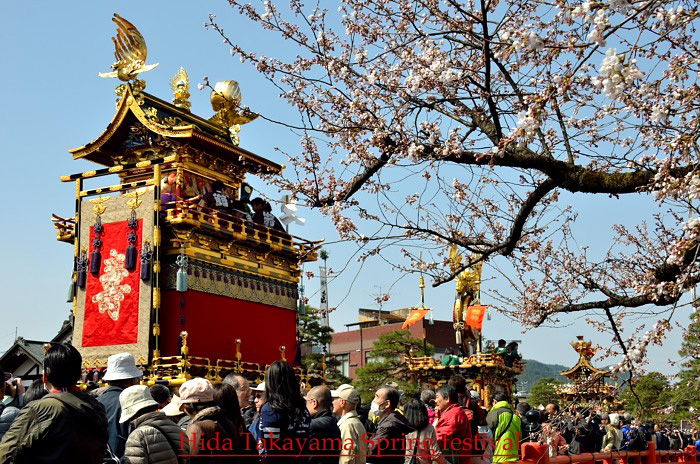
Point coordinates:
[[535, 370]]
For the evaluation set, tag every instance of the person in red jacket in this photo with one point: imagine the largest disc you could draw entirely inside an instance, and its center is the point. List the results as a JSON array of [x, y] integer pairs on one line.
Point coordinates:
[[452, 427]]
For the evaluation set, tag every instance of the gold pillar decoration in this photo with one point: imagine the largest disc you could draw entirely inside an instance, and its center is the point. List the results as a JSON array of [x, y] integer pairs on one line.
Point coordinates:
[[283, 350], [239, 355], [155, 272], [184, 350]]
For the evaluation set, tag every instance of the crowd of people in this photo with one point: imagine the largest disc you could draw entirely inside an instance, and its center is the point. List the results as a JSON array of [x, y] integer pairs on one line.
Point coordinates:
[[277, 421], [583, 430]]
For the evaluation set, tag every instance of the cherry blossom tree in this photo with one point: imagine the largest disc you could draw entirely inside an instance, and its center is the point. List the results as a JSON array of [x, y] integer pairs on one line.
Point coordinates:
[[432, 123]]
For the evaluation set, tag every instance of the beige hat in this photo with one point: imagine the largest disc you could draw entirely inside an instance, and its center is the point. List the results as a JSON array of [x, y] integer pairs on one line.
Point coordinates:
[[134, 399], [121, 366], [173, 408], [197, 390], [260, 387], [346, 392]]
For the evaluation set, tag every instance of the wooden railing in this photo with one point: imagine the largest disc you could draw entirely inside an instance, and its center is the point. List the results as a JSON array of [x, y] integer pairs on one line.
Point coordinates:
[[533, 453], [188, 211], [475, 360]]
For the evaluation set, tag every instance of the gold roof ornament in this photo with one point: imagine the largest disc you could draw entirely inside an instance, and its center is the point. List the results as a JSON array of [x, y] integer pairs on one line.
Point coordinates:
[[180, 83], [226, 100], [469, 280], [584, 348], [586, 351], [130, 52]]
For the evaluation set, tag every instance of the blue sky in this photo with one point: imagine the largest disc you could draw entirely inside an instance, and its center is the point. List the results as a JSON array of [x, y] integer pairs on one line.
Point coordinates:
[[52, 101]]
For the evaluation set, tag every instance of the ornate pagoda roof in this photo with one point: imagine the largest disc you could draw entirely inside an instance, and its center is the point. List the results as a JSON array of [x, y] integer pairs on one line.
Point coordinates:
[[586, 352], [171, 122]]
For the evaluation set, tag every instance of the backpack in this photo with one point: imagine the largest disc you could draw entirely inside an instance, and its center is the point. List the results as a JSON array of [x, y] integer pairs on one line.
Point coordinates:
[[635, 440]]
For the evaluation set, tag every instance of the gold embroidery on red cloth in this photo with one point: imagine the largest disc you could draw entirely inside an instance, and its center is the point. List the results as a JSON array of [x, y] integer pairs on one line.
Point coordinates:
[[112, 294]]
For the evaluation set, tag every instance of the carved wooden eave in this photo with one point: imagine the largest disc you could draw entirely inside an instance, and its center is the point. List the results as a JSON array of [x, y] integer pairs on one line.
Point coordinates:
[[581, 364], [190, 129]]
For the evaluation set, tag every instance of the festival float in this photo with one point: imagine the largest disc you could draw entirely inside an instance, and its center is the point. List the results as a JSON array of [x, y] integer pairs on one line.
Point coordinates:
[[487, 373], [189, 290], [588, 386]]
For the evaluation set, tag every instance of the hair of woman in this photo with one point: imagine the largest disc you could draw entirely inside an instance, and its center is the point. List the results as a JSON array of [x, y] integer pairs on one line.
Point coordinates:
[[416, 414], [282, 389], [226, 398]]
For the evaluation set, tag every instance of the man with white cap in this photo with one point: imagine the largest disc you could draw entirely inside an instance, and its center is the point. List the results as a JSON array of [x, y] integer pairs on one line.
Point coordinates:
[[155, 439], [345, 402], [121, 373]]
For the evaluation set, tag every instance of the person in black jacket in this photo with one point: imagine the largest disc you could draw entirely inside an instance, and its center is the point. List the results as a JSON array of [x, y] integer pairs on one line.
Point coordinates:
[[323, 426], [65, 426], [662, 441], [388, 443]]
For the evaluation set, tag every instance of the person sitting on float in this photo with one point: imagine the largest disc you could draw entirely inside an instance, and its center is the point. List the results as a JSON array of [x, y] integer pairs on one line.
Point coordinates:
[[217, 198], [501, 350], [449, 359], [240, 210], [263, 215], [168, 194], [512, 354]]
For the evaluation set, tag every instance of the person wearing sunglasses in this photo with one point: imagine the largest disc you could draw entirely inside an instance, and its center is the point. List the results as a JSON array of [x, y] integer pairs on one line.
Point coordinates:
[[258, 401]]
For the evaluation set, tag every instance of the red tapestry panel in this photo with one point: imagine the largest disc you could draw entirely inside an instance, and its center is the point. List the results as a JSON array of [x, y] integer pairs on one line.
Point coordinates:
[[112, 297], [214, 322]]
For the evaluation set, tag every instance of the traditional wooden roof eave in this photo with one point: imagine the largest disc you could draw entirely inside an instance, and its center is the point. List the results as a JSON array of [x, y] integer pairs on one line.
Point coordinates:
[[128, 104], [19, 346], [582, 362]]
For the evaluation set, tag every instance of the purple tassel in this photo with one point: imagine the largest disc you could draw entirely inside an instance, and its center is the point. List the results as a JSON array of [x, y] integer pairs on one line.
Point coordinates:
[[146, 261], [82, 278], [95, 262], [145, 269], [131, 255]]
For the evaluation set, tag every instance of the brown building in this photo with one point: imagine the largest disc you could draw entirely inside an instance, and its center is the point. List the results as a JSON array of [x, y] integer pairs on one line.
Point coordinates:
[[353, 348]]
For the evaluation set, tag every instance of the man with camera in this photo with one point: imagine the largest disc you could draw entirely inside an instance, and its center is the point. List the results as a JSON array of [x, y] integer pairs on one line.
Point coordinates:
[[13, 389]]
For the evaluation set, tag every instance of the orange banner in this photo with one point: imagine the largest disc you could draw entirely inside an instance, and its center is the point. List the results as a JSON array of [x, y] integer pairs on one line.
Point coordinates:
[[415, 316], [475, 316]]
